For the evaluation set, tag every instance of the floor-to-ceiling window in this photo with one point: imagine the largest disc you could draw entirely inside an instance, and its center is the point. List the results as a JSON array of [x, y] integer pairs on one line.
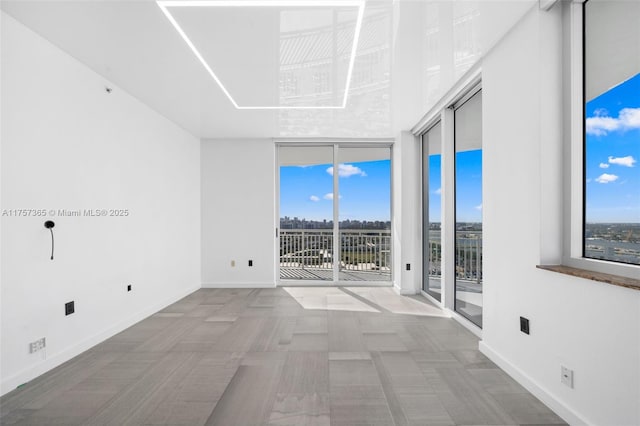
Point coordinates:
[[365, 213], [611, 132], [335, 199], [432, 211], [306, 213], [468, 208]]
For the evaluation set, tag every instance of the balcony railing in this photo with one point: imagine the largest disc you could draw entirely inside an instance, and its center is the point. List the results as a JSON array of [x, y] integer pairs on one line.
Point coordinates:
[[362, 250], [468, 255], [370, 251]]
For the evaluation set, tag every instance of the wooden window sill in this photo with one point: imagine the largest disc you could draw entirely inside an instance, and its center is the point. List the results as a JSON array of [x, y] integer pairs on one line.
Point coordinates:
[[595, 276]]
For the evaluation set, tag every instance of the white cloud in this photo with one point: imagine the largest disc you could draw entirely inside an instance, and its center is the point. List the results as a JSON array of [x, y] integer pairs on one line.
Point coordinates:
[[604, 166], [606, 178], [346, 170], [627, 161], [314, 198], [478, 207], [600, 124], [329, 196], [438, 191]]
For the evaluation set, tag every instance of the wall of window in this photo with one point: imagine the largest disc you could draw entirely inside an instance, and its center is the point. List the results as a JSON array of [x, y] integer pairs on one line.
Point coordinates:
[[527, 126], [452, 181], [611, 228], [335, 213], [468, 208]]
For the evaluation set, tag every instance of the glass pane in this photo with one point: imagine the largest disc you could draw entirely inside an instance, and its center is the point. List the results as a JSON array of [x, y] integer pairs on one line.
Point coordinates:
[[468, 184], [432, 259], [612, 131], [365, 213], [306, 213]]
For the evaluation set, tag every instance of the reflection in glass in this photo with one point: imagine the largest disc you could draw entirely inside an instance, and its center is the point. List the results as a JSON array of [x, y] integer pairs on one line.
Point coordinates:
[[313, 70], [450, 45], [468, 211], [432, 238], [466, 37]]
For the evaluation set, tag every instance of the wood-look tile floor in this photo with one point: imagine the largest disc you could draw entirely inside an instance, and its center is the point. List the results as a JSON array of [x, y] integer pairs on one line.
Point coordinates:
[[282, 356]]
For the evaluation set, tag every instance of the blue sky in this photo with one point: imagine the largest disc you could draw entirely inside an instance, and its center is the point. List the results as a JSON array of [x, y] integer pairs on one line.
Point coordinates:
[[435, 188], [469, 186], [613, 154], [365, 191]]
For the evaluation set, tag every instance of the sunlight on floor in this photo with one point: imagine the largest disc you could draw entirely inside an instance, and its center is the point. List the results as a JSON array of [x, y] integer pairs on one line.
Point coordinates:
[[391, 301], [361, 299], [330, 299]]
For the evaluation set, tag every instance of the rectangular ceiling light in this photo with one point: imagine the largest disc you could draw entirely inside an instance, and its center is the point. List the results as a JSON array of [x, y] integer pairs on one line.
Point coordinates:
[[166, 4]]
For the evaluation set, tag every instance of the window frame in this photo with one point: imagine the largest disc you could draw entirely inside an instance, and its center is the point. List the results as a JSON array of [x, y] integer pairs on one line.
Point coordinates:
[[335, 144], [424, 156], [575, 170]]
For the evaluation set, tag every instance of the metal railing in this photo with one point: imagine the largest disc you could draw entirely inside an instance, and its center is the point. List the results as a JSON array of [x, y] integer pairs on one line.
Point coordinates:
[[365, 250], [369, 250], [468, 255]]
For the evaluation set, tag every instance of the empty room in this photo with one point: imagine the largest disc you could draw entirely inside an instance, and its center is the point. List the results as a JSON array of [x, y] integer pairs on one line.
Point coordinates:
[[320, 212]]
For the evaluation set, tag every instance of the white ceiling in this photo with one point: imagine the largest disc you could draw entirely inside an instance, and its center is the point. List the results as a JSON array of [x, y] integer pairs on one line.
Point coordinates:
[[133, 45], [273, 56]]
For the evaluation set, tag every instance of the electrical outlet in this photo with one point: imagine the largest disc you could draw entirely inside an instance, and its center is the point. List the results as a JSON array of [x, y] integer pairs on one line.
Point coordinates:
[[129, 287], [566, 376], [524, 325], [69, 308], [251, 263], [37, 345], [233, 263], [408, 266]]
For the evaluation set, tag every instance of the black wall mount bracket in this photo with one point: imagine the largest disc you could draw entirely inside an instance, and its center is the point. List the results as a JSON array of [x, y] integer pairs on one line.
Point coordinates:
[[49, 224]]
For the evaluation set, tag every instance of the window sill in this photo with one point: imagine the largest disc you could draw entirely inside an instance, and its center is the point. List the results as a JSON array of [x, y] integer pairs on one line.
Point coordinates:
[[595, 276]]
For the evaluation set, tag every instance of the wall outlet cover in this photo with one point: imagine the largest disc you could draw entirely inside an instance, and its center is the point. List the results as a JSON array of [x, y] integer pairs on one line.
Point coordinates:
[[566, 376], [69, 308], [524, 325]]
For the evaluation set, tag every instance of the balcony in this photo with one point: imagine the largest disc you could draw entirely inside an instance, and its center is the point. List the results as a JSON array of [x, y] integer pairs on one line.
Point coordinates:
[[307, 254], [365, 255]]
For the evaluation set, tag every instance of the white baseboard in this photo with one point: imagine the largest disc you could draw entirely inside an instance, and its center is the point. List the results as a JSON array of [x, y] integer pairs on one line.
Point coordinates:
[[239, 285], [12, 382], [532, 386], [404, 291]]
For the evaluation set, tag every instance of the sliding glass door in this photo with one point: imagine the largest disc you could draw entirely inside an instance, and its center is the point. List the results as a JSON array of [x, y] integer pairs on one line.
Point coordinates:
[[335, 199], [468, 208], [306, 213], [432, 211], [365, 213]]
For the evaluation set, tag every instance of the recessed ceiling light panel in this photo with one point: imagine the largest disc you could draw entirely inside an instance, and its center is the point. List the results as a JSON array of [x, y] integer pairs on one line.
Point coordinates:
[[166, 5]]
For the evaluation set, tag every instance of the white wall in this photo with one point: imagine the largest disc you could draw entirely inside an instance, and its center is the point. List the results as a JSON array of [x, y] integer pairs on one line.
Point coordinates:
[[590, 327], [238, 212], [67, 144], [407, 214]]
